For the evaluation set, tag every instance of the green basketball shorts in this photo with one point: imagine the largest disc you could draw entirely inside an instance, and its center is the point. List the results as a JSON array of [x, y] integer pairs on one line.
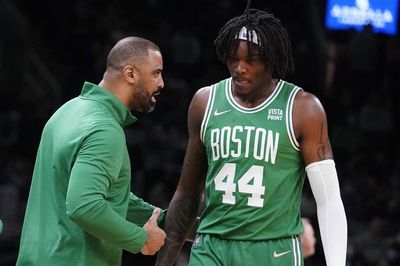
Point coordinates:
[[208, 250]]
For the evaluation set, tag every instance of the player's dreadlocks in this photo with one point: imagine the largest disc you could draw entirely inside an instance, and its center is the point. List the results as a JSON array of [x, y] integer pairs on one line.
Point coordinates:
[[273, 41]]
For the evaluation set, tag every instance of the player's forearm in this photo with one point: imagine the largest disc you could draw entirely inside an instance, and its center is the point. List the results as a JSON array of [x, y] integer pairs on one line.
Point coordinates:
[[331, 214], [181, 216], [333, 228]]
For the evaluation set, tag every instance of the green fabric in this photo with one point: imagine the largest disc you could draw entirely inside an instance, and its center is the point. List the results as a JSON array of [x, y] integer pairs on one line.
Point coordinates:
[[1, 226], [139, 212], [212, 251], [80, 191], [256, 174]]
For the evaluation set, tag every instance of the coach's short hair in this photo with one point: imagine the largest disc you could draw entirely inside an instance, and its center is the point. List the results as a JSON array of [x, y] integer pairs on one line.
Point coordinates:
[[129, 51]]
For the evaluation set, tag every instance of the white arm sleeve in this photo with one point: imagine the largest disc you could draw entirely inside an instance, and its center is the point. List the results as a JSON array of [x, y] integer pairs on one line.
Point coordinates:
[[331, 215]]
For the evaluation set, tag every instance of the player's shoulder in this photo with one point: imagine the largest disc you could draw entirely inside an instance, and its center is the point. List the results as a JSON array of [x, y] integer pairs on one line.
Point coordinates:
[[205, 92], [197, 108], [201, 96], [307, 102], [303, 95], [307, 111]]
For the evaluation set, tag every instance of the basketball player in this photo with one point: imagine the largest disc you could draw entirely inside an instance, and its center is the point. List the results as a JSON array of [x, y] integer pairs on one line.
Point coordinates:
[[252, 139]]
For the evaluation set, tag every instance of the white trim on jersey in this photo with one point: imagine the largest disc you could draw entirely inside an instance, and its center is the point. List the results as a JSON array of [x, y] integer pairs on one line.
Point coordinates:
[[207, 112], [263, 105], [289, 119]]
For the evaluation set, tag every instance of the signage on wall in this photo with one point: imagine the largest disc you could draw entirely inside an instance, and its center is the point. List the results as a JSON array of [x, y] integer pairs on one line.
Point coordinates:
[[355, 14]]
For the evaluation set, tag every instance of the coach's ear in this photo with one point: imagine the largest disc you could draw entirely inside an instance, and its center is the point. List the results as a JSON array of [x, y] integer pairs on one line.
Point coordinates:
[[130, 74]]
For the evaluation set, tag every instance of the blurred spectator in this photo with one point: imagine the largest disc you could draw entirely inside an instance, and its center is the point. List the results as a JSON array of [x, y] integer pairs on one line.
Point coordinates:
[[393, 253], [186, 51], [373, 243], [363, 58], [375, 115], [307, 238]]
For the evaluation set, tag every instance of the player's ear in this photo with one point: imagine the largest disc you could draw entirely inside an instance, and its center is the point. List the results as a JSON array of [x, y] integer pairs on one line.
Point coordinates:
[[130, 73]]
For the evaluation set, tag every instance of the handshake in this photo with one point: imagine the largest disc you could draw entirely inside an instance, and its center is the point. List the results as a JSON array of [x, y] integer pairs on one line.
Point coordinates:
[[156, 236]]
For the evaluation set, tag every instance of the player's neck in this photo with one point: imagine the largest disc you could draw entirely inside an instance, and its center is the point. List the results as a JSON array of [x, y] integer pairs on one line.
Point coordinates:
[[255, 97]]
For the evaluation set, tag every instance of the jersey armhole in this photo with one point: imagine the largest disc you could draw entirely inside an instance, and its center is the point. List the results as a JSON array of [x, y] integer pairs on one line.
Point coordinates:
[[207, 112], [289, 119]]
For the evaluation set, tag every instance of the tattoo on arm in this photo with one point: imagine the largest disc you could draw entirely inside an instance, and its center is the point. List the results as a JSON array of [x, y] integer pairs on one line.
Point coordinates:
[[185, 210], [180, 218], [322, 145]]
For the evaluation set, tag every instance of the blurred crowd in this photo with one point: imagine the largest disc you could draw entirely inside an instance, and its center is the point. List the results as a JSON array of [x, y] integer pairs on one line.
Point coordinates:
[[49, 48]]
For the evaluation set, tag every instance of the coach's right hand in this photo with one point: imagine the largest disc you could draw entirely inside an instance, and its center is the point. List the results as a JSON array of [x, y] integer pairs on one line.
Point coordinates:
[[155, 235]]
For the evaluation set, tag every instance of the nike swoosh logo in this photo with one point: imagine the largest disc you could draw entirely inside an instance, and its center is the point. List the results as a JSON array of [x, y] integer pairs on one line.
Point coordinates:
[[216, 113], [277, 255]]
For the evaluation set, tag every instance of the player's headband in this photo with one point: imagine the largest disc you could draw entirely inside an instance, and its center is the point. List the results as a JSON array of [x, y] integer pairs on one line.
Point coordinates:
[[243, 35]]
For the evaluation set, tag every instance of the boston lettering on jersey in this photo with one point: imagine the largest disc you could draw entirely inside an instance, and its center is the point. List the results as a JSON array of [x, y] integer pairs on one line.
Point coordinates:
[[247, 141]]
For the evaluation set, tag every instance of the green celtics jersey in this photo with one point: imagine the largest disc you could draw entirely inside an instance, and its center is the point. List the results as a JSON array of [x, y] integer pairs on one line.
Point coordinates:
[[255, 170]]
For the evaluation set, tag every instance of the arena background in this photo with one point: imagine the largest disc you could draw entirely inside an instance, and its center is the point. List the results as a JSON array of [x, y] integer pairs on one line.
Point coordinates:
[[49, 48]]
